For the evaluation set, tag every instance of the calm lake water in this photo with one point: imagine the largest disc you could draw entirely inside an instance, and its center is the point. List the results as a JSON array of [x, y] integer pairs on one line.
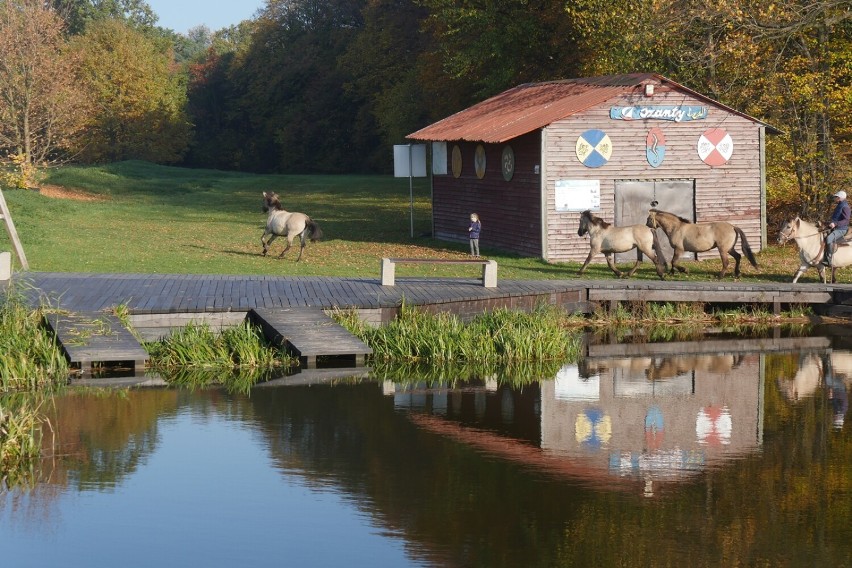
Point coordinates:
[[725, 452]]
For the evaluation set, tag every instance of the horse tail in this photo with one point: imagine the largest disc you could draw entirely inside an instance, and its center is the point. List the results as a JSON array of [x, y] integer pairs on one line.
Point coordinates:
[[314, 231], [658, 250], [746, 249]]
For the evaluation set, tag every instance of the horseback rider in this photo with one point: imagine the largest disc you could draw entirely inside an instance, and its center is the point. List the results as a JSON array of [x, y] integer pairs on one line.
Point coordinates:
[[839, 224]]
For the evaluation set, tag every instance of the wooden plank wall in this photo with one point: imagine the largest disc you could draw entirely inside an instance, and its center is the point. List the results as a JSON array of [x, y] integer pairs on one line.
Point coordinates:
[[730, 192], [510, 210]]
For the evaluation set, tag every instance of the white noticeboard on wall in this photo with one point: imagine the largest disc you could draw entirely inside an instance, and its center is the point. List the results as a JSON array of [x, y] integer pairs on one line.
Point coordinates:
[[578, 194], [439, 158]]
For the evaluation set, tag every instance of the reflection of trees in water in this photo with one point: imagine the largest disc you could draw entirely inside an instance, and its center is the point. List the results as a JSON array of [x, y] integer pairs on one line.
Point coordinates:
[[101, 438]]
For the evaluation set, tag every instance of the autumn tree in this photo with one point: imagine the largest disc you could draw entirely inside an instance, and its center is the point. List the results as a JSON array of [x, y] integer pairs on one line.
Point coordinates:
[[141, 101], [80, 13], [42, 107]]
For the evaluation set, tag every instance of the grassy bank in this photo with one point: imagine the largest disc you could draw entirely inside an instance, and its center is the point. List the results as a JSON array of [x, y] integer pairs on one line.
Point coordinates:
[[139, 217]]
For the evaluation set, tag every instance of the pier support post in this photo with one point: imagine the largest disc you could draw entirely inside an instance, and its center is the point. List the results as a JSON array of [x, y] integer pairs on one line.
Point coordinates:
[[5, 265]]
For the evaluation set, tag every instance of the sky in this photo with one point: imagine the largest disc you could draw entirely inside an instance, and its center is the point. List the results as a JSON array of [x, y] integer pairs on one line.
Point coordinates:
[[181, 15]]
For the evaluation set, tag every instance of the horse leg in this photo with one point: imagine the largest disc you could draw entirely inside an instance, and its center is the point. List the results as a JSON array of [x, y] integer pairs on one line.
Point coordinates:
[[653, 257], [737, 256], [302, 246], [585, 264], [611, 262], [289, 244], [724, 256], [799, 272], [266, 244], [636, 264], [675, 258], [834, 275]]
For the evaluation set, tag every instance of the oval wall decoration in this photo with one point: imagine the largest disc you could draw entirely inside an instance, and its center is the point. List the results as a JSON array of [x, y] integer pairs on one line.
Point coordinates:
[[479, 161], [507, 164], [594, 148], [457, 161], [715, 147], [655, 147]]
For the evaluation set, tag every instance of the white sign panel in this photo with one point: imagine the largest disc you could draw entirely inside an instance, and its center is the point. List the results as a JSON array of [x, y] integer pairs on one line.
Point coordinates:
[[439, 158], [409, 160], [578, 194]]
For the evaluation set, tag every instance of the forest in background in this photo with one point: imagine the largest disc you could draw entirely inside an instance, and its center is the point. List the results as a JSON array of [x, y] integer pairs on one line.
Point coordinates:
[[329, 86]]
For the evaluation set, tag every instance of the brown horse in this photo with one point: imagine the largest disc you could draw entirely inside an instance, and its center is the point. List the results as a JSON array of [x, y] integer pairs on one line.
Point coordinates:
[[281, 223], [684, 235], [609, 239]]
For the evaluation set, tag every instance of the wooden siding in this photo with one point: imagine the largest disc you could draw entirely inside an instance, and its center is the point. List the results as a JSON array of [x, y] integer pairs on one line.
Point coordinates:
[[731, 192], [510, 211]]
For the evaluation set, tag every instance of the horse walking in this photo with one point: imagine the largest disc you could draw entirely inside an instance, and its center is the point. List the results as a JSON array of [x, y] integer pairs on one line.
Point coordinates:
[[811, 242], [608, 239], [686, 236], [281, 223]]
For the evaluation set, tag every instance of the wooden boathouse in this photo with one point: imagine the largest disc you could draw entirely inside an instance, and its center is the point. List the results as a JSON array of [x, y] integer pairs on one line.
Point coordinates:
[[531, 159]]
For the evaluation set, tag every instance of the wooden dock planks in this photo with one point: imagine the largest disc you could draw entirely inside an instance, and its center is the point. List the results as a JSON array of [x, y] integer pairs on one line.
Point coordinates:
[[309, 333], [89, 338]]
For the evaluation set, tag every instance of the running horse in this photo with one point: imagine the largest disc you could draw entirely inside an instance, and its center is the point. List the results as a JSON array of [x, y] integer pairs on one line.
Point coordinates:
[[686, 236], [281, 223], [608, 239], [811, 242]]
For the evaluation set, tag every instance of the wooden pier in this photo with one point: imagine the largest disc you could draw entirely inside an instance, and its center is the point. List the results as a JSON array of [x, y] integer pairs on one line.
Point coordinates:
[[308, 333], [89, 339], [291, 309]]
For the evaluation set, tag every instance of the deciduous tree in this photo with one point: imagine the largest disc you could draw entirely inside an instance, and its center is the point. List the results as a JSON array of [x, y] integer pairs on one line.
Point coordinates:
[[43, 108], [141, 98]]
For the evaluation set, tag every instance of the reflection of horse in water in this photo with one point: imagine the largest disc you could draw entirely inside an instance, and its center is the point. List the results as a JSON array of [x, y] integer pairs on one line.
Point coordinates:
[[814, 371], [832, 371], [806, 381], [631, 367], [660, 368], [669, 367]]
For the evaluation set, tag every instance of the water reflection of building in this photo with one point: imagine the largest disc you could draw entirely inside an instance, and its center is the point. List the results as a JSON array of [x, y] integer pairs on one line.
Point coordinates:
[[638, 413], [676, 415]]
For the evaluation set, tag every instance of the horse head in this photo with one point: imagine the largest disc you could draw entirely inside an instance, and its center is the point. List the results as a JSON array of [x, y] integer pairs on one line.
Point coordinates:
[[651, 222], [585, 217], [271, 202], [789, 230]]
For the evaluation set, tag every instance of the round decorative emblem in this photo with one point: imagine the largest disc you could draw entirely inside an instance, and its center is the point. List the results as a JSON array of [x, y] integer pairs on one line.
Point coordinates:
[[593, 428], [654, 428], [655, 147], [713, 426], [715, 147], [508, 163], [457, 161], [479, 161], [594, 148]]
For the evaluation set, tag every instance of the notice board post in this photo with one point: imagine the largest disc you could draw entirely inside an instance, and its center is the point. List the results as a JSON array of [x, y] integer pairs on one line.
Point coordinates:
[[409, 160]]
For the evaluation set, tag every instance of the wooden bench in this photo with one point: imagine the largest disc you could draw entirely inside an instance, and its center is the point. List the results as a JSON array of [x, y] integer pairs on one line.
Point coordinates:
[[489, 268]]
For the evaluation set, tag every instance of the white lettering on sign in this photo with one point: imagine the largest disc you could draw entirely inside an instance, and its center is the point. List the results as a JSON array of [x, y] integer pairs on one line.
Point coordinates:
[[671, 113]]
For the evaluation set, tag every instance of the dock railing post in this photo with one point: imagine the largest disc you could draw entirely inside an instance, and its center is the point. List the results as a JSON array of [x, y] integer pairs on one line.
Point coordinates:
[[388, 270]]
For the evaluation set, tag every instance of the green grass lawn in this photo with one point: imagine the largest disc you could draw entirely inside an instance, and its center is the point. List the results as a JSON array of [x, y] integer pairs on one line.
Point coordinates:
[[143, 218]]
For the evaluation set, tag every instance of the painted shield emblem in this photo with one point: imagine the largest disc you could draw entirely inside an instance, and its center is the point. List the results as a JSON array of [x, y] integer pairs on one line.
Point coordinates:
[[655, 147], [594, 148], [715, 147], [593, 428]]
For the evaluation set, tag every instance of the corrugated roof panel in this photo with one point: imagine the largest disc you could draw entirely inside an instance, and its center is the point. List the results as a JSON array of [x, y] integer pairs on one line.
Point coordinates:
[[532, 106]]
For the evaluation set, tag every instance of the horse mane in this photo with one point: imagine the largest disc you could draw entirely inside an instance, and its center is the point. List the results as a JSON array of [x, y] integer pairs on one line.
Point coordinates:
[[595, 220], [272, 202], [681, 219]]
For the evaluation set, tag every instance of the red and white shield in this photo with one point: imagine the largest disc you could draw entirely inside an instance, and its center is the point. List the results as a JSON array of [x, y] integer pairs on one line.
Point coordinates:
[[715, 147]]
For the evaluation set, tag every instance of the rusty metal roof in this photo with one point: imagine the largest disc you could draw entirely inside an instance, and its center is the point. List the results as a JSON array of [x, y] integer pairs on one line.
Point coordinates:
[[532, 106]]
